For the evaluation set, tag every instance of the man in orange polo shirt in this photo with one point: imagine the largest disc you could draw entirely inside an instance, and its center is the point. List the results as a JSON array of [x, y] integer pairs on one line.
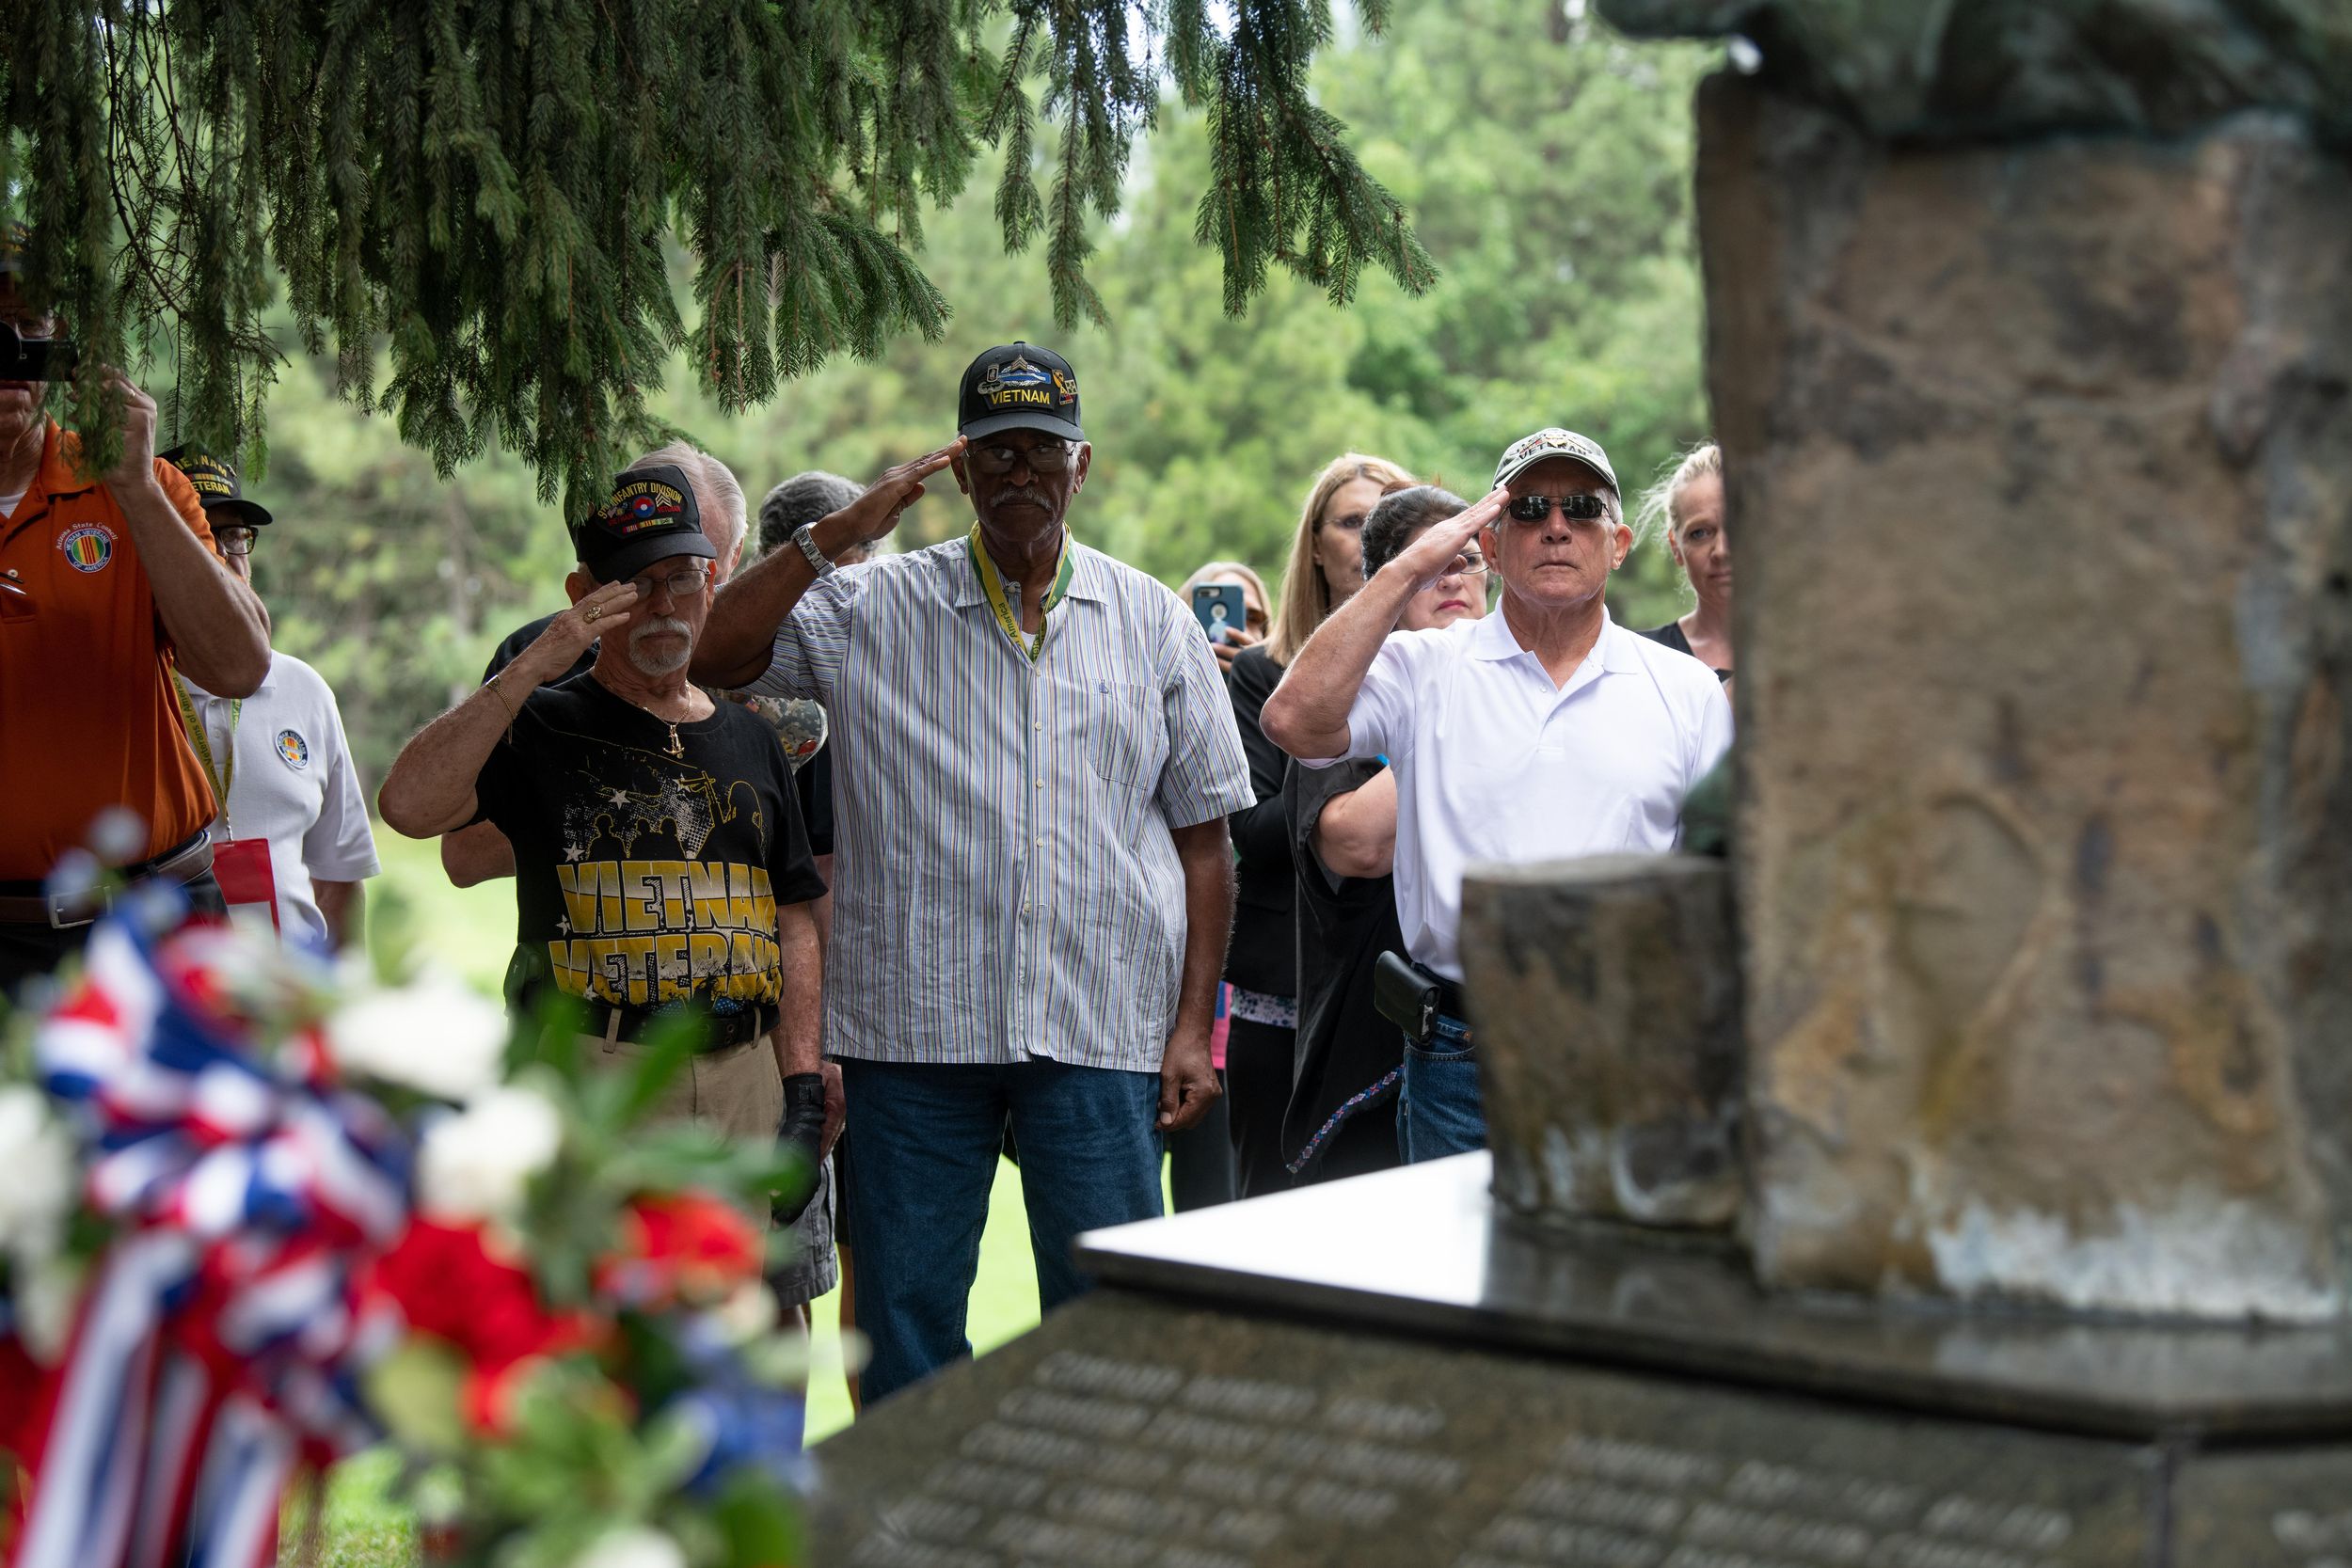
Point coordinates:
[[106, 581]]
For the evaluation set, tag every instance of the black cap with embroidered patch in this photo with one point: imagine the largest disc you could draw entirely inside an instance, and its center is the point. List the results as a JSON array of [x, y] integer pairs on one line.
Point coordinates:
[[650, 517], [1018, 385], [217, 487]]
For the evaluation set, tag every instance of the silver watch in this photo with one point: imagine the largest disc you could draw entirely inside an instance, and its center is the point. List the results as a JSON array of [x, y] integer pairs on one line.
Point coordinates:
[[805, 536]]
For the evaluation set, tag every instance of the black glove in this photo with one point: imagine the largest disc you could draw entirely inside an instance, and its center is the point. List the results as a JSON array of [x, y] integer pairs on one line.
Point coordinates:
[[801, 1130]]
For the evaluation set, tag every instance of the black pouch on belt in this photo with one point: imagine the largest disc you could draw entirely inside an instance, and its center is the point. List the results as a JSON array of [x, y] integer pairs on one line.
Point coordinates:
[[1405, 997]]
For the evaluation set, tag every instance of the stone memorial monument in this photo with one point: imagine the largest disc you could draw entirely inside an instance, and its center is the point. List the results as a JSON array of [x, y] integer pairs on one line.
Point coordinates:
[[1960, 1173]]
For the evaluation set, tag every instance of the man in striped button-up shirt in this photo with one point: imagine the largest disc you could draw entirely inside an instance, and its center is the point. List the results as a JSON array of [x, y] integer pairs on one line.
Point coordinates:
[[1033, 760]]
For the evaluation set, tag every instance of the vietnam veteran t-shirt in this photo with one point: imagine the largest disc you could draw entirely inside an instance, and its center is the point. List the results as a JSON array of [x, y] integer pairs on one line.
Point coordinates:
[[644, 879]]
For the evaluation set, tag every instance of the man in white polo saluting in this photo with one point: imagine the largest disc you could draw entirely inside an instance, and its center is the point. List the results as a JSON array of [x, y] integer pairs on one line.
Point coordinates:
[[1545, 730]]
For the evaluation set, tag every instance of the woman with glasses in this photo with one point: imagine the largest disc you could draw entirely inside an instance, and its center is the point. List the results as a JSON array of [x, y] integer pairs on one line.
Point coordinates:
[[1687, 506], [1327, 565], [1342, 824]]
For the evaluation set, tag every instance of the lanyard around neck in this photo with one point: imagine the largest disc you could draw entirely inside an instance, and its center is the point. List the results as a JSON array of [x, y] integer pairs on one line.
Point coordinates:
[[220, 776], [993, 584]]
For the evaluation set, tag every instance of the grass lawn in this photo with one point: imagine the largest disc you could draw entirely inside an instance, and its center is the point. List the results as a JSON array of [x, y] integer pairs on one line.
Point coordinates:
[[472, 931]]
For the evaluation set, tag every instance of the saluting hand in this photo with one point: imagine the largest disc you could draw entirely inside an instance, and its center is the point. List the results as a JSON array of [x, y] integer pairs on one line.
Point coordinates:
[[598, 614], [1430, 556], [876, 512]]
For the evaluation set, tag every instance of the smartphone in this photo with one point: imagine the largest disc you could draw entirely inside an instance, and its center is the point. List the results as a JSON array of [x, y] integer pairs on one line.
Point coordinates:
[[1218, 605]]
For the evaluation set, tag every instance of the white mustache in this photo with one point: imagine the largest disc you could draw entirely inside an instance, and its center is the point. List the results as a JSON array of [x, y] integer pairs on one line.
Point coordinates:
[[651, 628]]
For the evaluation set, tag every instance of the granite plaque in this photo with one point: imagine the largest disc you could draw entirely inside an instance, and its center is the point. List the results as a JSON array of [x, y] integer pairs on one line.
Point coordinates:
[[1132, 1432]]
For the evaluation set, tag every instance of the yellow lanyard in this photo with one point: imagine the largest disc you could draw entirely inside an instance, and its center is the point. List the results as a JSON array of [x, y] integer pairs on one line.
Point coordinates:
[[993, 584], [220, 778]]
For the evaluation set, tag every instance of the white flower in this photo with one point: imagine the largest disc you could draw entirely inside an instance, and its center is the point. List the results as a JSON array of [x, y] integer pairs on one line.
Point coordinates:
[[119, 835], [749, 1312], [435, 1035], [37, 1153], [48, 1293], [632, 1547], [475, 1162]]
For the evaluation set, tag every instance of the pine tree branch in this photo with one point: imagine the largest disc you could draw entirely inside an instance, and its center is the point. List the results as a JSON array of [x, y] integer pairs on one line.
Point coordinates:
[[468, 198]]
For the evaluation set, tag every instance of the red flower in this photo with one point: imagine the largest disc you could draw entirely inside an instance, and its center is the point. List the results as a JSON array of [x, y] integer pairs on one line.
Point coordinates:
[[679, 1247], [445, 1279]]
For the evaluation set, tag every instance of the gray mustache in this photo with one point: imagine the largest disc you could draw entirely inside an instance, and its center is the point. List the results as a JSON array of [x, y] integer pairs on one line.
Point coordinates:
[[673, 627]]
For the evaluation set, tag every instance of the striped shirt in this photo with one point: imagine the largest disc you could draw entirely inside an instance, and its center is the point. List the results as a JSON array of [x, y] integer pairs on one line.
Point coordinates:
[[1004, 880]]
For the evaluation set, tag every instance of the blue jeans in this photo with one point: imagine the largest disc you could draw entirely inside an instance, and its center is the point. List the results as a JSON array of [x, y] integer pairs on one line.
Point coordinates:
[[923, 1141], [1438, 1111]]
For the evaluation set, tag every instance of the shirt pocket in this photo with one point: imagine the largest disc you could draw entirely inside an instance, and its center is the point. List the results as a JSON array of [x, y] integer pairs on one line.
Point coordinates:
[[1125, 735]]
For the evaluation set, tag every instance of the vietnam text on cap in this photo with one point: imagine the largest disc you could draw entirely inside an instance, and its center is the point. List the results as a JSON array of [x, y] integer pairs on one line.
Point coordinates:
[[214, 480], [1019, 385]]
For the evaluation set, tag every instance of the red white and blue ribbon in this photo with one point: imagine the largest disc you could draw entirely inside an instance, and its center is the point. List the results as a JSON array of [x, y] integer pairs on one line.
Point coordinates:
[[220, 1343]]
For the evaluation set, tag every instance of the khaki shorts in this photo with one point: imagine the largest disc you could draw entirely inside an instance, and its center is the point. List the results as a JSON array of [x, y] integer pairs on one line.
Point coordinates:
[[739, 1093]]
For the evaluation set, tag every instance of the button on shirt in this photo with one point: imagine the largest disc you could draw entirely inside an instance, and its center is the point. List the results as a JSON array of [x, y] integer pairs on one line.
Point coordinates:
[[1003, 882], [1494, 763], [294, 786]]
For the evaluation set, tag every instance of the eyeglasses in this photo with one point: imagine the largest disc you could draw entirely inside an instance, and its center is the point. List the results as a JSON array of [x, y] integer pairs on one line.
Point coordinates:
[[1467, 565], [234, 539], [1585, 507], [1046, 457], [684, 583]]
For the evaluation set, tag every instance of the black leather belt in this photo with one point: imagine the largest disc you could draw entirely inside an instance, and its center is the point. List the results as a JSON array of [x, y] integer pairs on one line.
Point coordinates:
[[722, 1030], [30, 904]]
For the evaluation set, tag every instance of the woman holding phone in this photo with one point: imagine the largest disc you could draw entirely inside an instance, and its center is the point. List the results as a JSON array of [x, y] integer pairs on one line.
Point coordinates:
[[1327, 567]]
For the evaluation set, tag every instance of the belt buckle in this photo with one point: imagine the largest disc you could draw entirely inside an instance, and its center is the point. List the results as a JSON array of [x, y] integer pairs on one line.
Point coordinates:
[[57, 903]]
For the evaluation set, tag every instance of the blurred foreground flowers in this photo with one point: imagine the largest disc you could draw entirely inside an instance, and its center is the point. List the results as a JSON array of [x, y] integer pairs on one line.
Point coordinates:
[[260, 1212]]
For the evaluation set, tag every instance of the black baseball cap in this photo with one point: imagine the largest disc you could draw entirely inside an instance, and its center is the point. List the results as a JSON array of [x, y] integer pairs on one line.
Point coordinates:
[[1017, 385], [217, 487], [650, 517]]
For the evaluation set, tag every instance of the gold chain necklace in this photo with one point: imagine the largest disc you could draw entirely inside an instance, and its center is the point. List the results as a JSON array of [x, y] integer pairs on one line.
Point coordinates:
[[676, 748]]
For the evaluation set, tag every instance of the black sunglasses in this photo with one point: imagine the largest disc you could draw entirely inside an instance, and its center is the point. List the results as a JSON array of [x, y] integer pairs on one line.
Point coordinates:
[[1585, 507]]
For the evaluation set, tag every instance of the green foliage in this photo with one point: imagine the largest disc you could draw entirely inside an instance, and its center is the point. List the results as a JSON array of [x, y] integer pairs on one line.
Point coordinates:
[[480, 189], [1548, 171]]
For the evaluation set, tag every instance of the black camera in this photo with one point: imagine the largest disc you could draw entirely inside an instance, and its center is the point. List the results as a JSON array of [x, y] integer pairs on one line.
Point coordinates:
[[24, 359]]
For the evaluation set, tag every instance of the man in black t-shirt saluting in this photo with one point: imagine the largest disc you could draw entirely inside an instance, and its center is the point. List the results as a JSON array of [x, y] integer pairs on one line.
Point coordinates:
[[660, 860]]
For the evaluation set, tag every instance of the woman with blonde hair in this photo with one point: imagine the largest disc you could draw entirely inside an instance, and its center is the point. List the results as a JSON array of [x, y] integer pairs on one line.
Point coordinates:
[[1687, 507], [1327, 565]]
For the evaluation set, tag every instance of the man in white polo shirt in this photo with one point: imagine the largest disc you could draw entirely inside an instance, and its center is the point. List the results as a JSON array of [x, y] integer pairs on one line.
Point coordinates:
[[1543, 731], [292, 843]]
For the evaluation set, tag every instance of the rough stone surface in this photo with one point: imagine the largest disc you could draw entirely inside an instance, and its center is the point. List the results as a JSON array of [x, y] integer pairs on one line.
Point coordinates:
[[2043, 463], [1608, 1020], [2002, 67]]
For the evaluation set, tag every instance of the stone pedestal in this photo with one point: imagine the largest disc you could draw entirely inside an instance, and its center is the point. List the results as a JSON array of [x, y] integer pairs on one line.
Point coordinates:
[[2040, 461], [1388, 1372], [1608, 1031]]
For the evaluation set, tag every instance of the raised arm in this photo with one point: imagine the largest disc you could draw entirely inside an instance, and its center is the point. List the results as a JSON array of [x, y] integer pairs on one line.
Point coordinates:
[[1306, 716], [740, 634], [1355, 834], [429, 791], [218, 629]]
